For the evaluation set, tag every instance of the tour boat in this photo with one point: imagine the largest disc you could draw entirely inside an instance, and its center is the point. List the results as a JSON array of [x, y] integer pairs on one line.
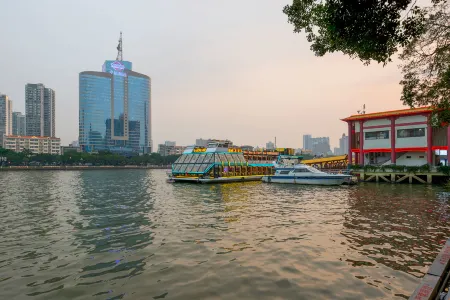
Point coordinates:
[[289, 169], [220, 162]]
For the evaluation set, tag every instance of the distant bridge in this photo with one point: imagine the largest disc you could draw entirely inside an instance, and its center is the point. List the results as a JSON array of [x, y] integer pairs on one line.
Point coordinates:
[[333, 162]]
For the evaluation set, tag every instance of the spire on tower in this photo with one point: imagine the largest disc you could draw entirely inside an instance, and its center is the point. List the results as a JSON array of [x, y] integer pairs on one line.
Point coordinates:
[[119, 49]]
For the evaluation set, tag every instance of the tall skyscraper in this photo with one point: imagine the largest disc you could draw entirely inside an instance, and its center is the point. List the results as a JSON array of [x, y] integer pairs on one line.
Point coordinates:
[[39, 110], [18, 124], [343, 144], [34, 109], [115, 108], [49, 112], [5, 117]]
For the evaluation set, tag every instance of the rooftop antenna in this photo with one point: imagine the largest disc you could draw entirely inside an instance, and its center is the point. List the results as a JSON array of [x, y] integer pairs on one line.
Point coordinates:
[[119, 49]]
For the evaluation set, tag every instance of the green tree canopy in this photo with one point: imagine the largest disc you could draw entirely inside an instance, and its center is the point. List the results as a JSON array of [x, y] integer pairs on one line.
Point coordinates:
[[373, 30], [426, 64]]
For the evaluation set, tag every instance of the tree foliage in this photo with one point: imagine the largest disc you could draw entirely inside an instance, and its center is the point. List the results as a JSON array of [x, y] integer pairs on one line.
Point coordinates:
[[103, 158], [364, 29], [373, 30], [426, 65]]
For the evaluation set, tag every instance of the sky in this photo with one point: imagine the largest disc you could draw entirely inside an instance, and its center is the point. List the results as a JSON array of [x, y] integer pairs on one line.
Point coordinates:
[[220, 69]]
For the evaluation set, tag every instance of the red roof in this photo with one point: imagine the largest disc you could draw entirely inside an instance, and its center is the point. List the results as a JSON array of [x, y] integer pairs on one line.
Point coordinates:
[[391, 113]]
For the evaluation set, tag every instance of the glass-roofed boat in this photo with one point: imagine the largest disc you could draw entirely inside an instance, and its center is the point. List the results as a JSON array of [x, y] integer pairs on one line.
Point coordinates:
[[220, 162]]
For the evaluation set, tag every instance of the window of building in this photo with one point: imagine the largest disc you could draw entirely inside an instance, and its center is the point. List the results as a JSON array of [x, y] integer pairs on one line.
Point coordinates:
[[410, 132], [377, 135]]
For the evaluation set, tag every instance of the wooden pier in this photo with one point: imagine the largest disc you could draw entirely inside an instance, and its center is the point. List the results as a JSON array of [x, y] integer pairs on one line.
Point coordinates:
[[401, 177]]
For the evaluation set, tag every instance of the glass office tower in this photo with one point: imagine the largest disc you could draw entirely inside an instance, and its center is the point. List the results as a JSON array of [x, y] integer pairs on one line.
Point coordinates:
[[115, 110]]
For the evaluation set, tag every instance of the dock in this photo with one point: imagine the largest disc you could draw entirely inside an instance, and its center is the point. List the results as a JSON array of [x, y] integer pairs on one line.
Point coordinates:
[[436, 281], [390, 176]]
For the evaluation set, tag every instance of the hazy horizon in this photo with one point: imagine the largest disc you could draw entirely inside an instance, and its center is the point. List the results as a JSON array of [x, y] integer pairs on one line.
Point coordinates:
[[229, 69]]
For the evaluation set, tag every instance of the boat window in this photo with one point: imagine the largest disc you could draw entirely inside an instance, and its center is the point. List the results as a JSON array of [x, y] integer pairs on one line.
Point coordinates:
[[208, 158], [222, 157], [188, 158], [180, 159], [193, 159], [229, 157], [314, 170], [196, 167], [189, 168], [241, 158], [301, 170], [203, 167], [183, 168], [284, 172], [200, 158]]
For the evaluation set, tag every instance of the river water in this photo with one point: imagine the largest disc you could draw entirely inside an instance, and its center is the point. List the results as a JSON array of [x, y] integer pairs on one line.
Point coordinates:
[[128, 234]]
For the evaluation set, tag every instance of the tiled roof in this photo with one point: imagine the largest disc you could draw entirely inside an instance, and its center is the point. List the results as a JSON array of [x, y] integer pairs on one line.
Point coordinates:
[[391, 113]]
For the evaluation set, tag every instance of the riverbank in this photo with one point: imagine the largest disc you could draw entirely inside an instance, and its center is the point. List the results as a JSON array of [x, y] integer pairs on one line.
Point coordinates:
[[71, 168]]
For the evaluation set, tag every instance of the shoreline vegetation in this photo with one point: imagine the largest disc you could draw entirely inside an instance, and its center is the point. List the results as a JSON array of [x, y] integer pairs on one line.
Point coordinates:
[[78, 168], [26, 160]]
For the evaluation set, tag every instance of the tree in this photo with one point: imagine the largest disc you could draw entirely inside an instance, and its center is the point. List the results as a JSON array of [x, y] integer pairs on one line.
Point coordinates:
[[426, 65], [364, 29], [373, 30]]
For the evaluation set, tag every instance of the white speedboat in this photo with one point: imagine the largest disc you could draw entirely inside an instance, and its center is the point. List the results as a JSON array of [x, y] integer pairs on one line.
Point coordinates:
[[288, 169]]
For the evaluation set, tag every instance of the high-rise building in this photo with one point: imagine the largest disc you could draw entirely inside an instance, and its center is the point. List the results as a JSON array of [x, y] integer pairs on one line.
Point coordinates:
[[5, 117], [18, 124], [343, 144], [170, 148], [270, 146], [321, 145], [114, 109], [307, 142], [49, 112], [39, 110], [34, 109]]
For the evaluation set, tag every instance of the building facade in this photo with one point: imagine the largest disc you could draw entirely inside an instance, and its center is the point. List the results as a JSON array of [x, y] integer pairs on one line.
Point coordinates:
[[170, 148], [114, 109], [18, 124], [270, 146], [402, 137], [36, 144], [39, 110], [343, 145], [206, 142], [307, 142], [5, 116], [49, 112]]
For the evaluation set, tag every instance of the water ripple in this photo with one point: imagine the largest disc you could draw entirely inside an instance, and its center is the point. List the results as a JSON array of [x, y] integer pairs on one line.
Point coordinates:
[[129, 235]]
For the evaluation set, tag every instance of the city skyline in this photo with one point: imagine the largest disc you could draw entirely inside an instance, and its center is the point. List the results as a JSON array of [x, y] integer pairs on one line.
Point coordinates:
[[227, 77]]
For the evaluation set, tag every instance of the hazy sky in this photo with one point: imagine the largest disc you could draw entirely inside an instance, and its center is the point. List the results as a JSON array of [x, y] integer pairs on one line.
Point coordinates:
[[222, 69]]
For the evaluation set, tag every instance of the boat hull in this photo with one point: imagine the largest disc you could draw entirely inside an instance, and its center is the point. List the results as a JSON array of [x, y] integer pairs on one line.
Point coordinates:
[[313, 180], [217, 180]]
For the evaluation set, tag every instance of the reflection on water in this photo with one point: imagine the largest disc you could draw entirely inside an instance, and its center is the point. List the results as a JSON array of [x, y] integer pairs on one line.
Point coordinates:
[[128, 234]]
